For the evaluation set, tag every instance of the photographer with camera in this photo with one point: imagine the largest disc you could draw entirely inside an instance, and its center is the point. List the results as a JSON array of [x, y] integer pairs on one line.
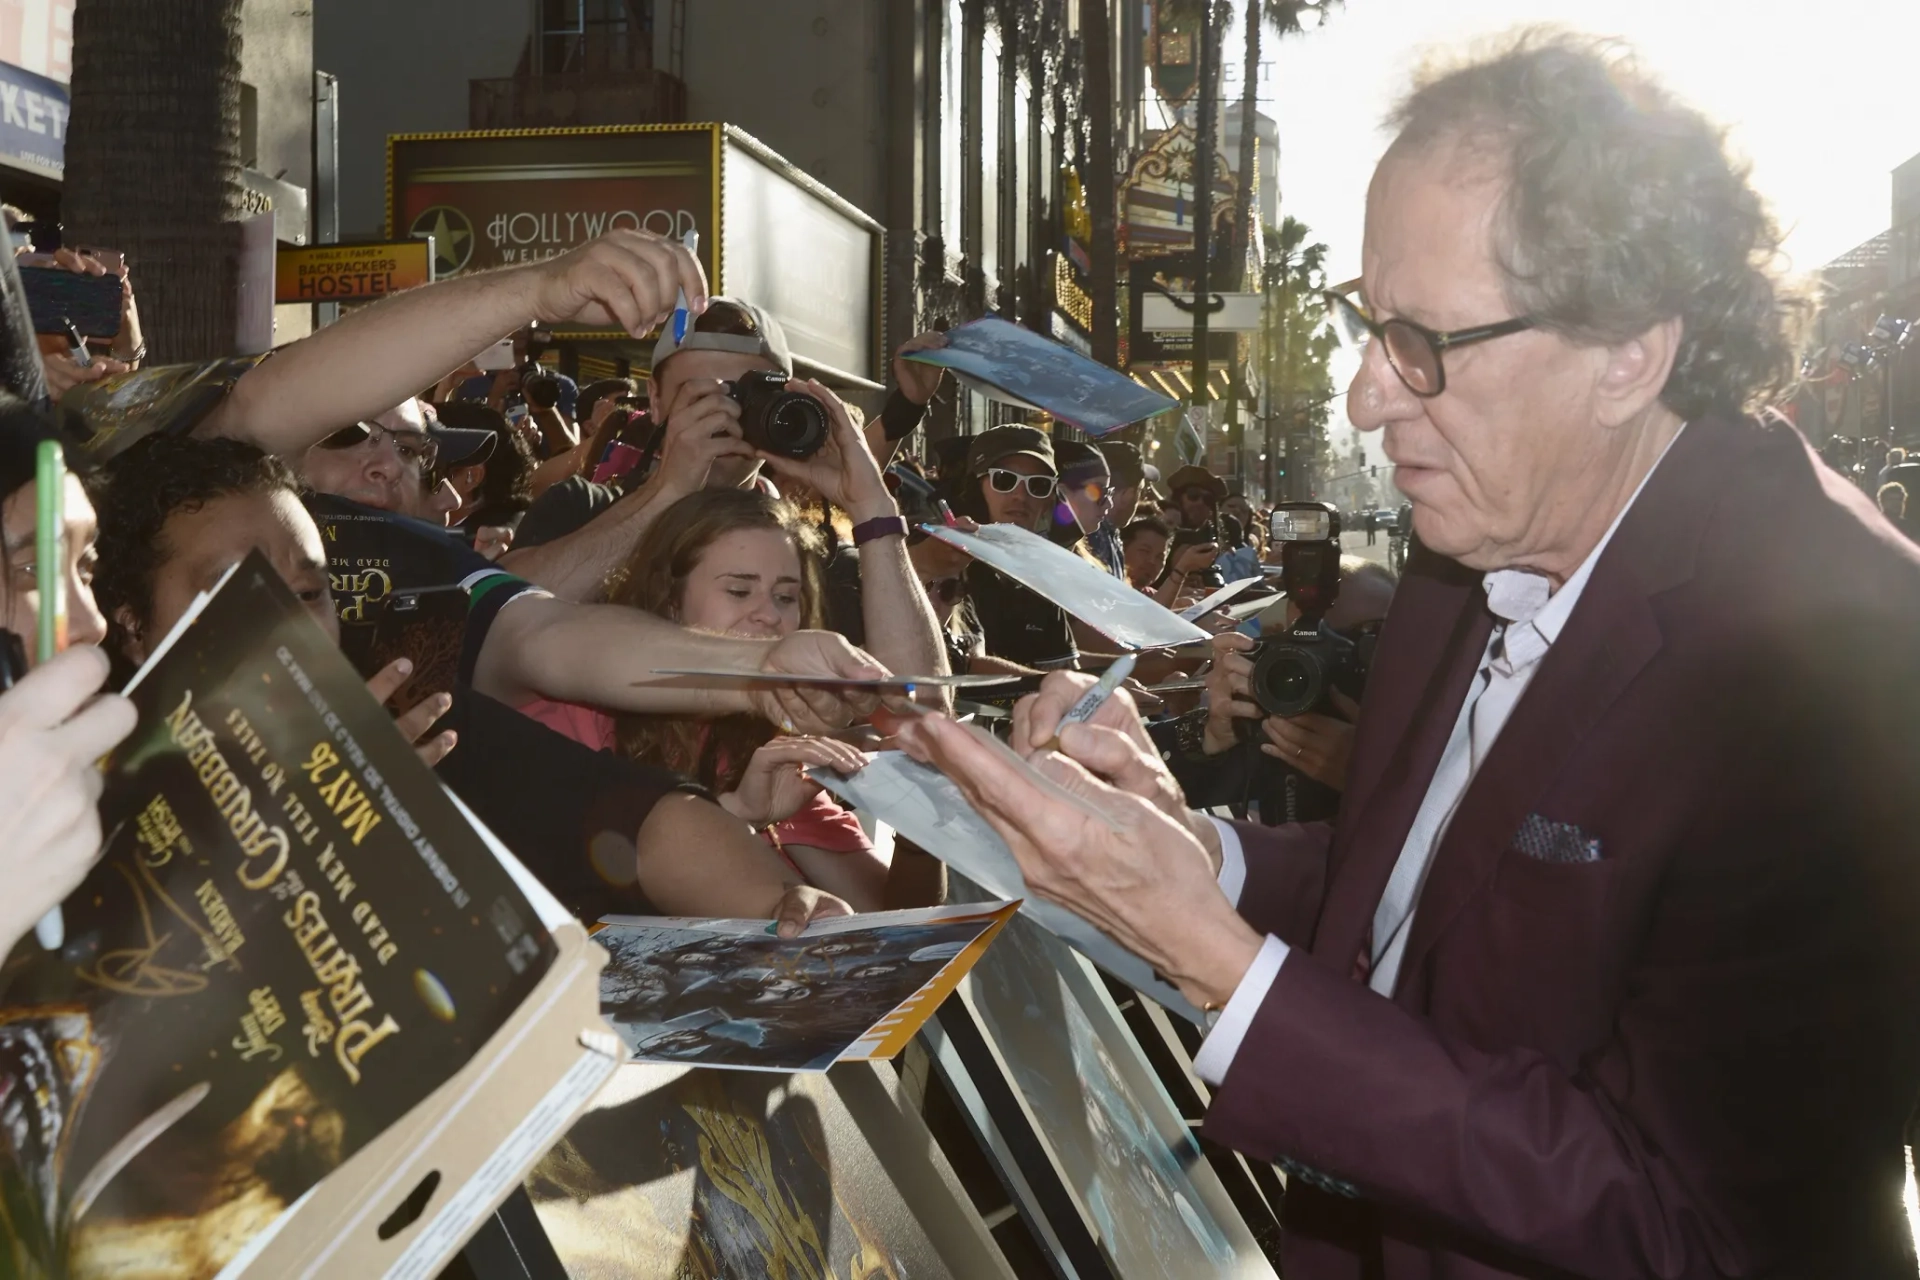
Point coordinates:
[[1172, 577], [1197, 498], [1278, 725], [535, 399], [726, 374]]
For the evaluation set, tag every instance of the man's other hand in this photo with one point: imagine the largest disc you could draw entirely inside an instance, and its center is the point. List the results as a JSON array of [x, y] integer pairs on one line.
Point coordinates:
[[801, 905], [64, 373], [1195, 558], [426, 713], [843, 471], [1317, 745], [624, 279], [1113, 858]]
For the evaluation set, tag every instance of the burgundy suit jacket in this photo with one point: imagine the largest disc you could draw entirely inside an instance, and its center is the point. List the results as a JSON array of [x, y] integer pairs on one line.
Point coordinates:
[[1692, 1056]]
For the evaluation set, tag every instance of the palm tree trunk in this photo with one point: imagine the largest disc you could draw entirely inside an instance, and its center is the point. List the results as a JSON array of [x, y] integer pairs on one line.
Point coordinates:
[[1096, 34], [153, 161], [1249, 97]]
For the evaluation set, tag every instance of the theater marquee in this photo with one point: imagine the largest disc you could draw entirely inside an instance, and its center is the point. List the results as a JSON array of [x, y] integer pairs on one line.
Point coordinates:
[[768, 232]]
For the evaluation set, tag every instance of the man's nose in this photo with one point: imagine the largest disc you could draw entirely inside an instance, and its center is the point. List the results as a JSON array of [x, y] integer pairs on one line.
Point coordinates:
[[1376, 396], [382, 465]]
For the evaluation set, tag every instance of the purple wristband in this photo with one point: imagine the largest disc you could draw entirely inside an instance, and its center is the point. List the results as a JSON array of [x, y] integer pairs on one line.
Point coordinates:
[[878, 527]]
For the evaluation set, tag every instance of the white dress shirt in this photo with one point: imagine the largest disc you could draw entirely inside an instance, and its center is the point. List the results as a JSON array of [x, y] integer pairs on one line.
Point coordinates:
[[1531, 616]]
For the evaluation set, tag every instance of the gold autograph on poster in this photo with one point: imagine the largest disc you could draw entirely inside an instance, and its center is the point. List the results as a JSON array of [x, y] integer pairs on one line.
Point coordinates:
[[132, 970]]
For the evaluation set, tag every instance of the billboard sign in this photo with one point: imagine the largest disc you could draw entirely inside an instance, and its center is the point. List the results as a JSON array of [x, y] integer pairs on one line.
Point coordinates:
[[352, 272], [780, 240], [494, 199], [33, 122]]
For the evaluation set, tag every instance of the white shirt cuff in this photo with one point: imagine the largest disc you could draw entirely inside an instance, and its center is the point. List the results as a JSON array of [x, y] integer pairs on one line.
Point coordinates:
[[1233, 860], [1216, 1053]]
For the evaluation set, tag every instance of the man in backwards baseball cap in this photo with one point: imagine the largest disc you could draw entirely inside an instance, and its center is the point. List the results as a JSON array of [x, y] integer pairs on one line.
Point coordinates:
[[698, 423]]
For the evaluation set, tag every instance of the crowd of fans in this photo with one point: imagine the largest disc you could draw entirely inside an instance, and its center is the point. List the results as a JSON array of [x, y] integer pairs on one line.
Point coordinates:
[[1669, 1010], [557, 545]]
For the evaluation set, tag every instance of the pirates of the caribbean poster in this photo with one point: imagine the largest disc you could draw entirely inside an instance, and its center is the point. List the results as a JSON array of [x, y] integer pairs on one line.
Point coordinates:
[[291, 938]]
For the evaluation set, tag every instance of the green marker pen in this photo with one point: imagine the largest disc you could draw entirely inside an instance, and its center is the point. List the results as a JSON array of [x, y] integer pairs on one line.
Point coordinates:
[[50, 578], [49, 548]]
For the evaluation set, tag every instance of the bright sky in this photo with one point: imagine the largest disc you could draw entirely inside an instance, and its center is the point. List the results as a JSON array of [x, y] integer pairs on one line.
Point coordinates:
[[1821, 97]]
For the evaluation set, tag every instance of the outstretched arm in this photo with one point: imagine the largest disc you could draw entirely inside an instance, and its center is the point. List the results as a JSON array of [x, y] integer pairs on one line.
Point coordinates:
[[610, 656], [377, 357]]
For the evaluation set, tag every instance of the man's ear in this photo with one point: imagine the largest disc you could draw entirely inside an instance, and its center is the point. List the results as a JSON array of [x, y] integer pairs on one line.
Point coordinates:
[[133, 647], [1636, 372]]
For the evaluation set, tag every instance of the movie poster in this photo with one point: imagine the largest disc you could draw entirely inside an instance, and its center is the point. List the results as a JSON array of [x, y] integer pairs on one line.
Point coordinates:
[[290, 939], [679, 1174], [1115, 1137]]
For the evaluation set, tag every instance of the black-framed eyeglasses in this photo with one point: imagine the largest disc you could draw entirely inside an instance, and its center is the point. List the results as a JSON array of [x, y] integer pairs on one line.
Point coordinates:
[[416, 447], [1412, 349], [1001, 480]]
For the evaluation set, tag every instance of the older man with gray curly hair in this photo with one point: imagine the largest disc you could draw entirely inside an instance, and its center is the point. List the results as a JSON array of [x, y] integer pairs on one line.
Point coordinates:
[[1610, 965]]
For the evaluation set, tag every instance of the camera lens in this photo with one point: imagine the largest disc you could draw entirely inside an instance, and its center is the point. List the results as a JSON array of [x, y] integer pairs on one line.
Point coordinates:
[[1287, 680], [796, 426], [775, 420]]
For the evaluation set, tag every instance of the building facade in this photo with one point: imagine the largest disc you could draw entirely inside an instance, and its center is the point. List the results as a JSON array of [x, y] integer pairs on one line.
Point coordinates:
[[276, 117], [960, 126], [1878, 404]]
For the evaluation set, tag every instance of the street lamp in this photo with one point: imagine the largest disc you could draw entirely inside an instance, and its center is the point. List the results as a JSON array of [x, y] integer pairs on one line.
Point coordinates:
[[1889, 336], [1889, 332]]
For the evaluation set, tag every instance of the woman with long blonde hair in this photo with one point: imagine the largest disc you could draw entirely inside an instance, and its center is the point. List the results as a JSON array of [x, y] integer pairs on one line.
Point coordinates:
[[739, 562]]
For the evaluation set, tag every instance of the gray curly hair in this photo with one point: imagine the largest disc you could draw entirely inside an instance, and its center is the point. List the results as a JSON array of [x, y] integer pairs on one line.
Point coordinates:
[[1623, 209]]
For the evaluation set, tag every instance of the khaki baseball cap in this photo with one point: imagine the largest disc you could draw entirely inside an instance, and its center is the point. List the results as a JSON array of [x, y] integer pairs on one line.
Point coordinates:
[[705, 332]]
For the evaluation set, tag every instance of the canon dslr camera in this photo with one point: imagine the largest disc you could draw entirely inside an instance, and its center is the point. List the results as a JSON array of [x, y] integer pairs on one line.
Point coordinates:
[[775, 420], [1295, 672]]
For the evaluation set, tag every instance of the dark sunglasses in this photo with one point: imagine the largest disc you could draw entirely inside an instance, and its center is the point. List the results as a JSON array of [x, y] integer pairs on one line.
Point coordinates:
[[946, 590], [1197, 495], [415, 447], [1000, 480], [1413, 349]]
